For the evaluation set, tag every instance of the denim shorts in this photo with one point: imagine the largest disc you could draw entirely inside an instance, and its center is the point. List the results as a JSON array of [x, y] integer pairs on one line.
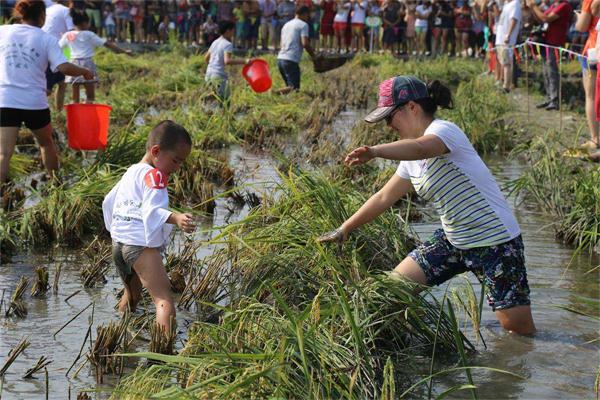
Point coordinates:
[[124, 257], [501, 268], [290, 72]]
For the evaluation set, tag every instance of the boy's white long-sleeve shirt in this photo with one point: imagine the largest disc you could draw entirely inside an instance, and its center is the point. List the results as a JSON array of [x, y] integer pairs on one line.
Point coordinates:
[[135, 210]]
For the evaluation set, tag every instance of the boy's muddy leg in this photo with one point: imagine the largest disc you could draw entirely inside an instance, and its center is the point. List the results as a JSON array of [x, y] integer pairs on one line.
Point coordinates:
[[149, 267], [8, 141], [47, 148], [131, 294]]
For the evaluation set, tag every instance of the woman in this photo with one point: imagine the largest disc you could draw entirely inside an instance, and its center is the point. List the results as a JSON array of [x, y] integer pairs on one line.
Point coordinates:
[[389, 12], [479, 233], [443, 24], [23, 82], [329, 8], [586, 22], [423, 11], [462, 28]]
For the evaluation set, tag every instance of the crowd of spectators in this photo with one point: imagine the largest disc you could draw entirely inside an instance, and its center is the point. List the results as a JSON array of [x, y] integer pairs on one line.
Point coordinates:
[[454, 27]]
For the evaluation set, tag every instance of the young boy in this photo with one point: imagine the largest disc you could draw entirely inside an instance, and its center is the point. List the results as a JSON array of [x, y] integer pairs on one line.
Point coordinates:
[[218, 56], [136, 215]]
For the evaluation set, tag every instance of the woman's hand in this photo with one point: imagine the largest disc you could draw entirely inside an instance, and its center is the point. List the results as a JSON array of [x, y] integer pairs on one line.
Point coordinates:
[[185, 222], [337, 236], [359, 156]]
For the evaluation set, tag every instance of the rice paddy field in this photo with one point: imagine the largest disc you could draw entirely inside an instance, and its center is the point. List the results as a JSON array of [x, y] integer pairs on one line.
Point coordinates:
[[263, 310]]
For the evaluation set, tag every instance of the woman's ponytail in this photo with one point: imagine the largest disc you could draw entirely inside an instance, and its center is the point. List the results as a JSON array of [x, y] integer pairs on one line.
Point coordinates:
[[439, 96]]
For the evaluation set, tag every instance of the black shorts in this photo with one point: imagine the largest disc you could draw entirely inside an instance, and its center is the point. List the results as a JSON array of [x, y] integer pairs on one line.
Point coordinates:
[[33, 119], [53, 78]]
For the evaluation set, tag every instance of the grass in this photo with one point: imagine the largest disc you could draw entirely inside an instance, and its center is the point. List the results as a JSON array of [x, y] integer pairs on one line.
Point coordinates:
[[566, 188], [300, 317]]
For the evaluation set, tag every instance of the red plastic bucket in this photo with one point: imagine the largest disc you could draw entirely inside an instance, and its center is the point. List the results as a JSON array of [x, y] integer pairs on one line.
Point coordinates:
[[87, 126], [257, 75]]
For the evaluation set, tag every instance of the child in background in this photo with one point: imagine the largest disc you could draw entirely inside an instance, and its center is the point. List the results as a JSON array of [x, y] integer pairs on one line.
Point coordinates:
[[411, 19], [109, 23], [163, 30], [82, 43], [136, 215], [218, 56]]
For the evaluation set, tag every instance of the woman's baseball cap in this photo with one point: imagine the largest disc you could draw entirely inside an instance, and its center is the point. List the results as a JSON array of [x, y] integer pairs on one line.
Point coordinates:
[[394, 92]]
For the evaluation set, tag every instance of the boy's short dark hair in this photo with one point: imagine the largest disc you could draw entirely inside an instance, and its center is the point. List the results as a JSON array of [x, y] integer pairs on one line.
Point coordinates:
[[302, 10], [79, 17], [225, 26], [167, 135]]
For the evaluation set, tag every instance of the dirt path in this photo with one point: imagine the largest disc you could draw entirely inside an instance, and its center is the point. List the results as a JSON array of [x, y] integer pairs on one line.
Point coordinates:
[[540, 121]]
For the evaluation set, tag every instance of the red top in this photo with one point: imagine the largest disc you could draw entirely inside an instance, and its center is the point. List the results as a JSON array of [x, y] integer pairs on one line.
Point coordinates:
[[328, 12], [591, 40], [307, 3], [556, 35]]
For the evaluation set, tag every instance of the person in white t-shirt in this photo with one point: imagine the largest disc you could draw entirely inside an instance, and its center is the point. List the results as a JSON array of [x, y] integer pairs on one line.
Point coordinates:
[[25, 53], [218, 56], [507, 31], [340, 24], [58, 21], [479, 232], [83, 43], [294, 40], [423, 11], [137, 216], [357, 20]]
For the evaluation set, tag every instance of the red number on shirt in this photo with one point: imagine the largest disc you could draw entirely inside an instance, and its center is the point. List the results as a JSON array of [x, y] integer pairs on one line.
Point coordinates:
[[155, 179]]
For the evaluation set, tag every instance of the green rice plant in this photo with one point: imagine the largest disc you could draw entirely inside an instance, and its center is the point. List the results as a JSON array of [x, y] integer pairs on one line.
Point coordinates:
[[565, 187], [17, 306], [480, 111], [303, 321], [67, 213], [40, 286]]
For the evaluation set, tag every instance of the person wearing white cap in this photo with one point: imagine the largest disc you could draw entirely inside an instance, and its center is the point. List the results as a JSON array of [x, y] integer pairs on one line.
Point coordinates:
[[479, 232]]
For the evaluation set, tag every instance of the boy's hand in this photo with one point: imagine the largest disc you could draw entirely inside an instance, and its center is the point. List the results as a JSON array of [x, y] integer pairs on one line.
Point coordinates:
[[88, 75], [185, 222]]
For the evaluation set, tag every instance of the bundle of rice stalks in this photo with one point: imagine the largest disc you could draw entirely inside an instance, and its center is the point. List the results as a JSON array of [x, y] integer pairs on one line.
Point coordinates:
[[177, 279], [567, 188], [99, 254], [40, 365], [162, 340], [207, 283], [40, 286], [13, 354], [301, 318], [110, 340], [17, 306], [68, 213], [10, 196]]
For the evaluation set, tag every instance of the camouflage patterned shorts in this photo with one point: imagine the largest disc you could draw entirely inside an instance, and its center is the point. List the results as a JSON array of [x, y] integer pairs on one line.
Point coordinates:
[[500, 267]]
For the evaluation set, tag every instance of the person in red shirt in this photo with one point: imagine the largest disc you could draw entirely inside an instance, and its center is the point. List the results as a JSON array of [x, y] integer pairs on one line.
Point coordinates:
[[556, 20], [586, 22]]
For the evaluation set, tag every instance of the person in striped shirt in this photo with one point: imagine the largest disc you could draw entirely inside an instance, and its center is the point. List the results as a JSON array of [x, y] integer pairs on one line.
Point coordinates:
[[479, 232]]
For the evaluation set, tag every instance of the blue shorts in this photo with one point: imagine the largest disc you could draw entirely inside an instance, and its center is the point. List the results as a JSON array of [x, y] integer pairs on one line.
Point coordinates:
[[290, 72], [501, 268], [585, 65]]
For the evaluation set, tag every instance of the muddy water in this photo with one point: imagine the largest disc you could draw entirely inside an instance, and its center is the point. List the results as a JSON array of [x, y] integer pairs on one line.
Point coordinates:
[[557, 363], [256, 172]]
